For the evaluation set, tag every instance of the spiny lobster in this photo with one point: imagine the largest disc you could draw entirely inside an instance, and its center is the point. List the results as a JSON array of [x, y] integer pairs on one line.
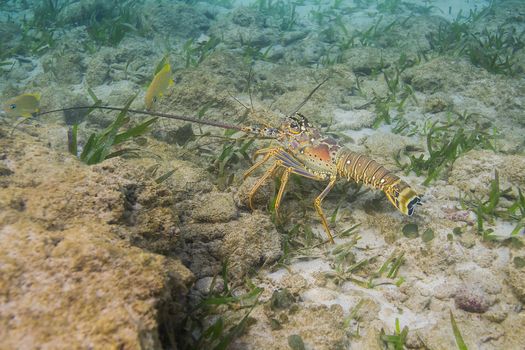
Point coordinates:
[[304, 151]]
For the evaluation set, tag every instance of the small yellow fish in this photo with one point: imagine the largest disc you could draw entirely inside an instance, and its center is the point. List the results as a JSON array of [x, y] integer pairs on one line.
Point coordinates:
[[158, 85], [22, 106]]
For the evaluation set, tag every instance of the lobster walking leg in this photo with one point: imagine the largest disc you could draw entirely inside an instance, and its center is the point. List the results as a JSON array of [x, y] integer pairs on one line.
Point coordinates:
[[256, 165], [317, 205], [284, 181], [292, 169], [265, 151], [268, 153], [259, 183], [292, 166]]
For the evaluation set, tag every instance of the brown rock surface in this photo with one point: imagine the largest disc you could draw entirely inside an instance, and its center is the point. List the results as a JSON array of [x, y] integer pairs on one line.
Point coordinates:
[[66, 279], [516, 280], [215, 207], [475, 170]]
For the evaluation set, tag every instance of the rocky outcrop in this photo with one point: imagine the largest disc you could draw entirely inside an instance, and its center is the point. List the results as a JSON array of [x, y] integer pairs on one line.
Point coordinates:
[[67, 280]]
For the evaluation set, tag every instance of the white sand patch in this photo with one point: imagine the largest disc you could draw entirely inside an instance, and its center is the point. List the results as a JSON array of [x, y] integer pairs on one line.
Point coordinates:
[[389, 312]]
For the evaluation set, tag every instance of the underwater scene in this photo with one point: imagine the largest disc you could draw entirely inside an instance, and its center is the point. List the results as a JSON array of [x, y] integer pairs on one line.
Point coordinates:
[[262, 174]]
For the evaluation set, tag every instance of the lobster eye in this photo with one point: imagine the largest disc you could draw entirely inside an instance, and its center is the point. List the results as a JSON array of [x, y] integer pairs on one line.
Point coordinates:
[[294, 128], [12, 106]]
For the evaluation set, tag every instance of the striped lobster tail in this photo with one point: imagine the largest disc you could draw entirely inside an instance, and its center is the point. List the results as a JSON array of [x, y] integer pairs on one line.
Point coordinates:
[[360, 168]]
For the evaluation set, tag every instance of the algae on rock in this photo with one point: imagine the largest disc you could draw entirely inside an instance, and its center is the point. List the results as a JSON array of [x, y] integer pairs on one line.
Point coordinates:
[[65, 276]]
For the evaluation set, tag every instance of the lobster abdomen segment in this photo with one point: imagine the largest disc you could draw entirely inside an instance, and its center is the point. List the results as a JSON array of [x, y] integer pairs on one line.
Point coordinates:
[[360, 168]]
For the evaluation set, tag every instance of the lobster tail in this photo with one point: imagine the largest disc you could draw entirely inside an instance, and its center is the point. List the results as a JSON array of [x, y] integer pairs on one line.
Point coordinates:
[[402, 196], [360, 168]]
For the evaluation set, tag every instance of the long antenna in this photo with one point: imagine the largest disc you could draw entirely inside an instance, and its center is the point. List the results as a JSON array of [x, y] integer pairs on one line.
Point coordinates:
[[308, 97], [155, 114], [250, 86]]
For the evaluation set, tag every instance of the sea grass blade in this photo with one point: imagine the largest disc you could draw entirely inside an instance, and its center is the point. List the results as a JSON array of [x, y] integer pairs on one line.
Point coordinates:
[[457, 334]]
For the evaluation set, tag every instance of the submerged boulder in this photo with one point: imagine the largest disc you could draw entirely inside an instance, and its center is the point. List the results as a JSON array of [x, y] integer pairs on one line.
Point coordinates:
[[67, 280]]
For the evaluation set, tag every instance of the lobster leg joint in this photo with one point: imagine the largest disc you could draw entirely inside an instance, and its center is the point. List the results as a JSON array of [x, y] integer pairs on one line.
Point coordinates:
[[317, 205]]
